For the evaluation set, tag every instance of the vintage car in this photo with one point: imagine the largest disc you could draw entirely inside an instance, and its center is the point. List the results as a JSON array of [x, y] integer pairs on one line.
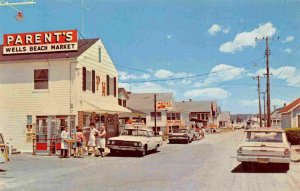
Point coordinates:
[[197, 134], [264, 146], [135, 139], [182, 135]]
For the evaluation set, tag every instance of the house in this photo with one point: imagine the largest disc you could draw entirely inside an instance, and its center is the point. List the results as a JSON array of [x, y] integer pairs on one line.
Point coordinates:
[[203, 113], [290, 115], [42, 91], [276, 118], [224, 119]]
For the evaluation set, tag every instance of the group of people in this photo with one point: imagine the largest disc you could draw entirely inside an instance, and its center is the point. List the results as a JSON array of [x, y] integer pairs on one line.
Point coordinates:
[[81, 145]]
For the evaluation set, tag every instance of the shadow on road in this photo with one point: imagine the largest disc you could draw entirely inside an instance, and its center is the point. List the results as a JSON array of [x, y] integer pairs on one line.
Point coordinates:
[[2, 170], [259, 168], [130, 154]]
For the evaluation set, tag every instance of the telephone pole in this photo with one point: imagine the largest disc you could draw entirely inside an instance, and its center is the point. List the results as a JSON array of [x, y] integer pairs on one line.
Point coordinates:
[[264, 98], [155, 113], [258, 91], [268, 84]]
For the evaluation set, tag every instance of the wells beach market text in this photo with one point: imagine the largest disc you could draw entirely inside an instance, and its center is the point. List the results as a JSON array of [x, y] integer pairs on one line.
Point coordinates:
[[149, 95]]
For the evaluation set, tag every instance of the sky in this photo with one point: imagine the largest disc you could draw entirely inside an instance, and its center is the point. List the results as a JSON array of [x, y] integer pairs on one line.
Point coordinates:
[[208, 45]]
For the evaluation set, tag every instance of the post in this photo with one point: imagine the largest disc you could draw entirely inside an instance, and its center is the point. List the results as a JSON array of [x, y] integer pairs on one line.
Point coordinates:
[[264, 98], [268, 84], [10, 146], [155, 113], [259, 103]]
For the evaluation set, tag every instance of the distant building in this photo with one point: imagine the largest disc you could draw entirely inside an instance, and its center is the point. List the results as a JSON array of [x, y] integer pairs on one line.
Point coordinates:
[[224, 119], [290, 115], [276, 118]]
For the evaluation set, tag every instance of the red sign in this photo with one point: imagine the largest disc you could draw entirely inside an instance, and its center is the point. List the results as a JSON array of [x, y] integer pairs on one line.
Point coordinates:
[[36, 42], [163, 105]]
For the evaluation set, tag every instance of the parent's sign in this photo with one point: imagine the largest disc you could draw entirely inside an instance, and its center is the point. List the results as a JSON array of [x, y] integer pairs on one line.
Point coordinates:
[[37, 42]]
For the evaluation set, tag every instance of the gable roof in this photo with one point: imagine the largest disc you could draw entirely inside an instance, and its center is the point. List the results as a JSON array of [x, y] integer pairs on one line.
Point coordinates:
[[291, 106], [83, 45], [195, 106], [145, 101]]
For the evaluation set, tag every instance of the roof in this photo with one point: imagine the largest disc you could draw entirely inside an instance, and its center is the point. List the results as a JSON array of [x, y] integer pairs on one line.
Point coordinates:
[[291, 106], [224, 116], [195, 106], [145, 101], [83, 45], [135, 111], [276, 113], [265, 129]]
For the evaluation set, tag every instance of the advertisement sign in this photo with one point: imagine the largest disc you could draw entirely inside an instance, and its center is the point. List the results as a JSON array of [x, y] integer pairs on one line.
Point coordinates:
[[163, 105], [37, 42]]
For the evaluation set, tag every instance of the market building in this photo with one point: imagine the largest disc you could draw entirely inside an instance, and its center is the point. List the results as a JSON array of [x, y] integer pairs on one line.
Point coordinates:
[[42, 89]]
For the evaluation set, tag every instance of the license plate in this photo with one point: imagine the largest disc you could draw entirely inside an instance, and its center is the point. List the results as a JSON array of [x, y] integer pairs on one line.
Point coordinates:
[[262, 160]]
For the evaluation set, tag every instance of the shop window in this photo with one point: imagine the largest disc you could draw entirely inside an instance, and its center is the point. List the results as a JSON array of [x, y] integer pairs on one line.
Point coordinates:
[[41, 79], [158, 116], [99, 54]]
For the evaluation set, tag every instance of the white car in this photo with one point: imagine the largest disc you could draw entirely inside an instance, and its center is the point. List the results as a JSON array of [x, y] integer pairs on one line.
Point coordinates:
[[135, 139], [264, 146]]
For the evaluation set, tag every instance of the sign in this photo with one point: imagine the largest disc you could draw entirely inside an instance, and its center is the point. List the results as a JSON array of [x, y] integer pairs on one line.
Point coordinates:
[[173, 122], [163, 105], [37, 42]]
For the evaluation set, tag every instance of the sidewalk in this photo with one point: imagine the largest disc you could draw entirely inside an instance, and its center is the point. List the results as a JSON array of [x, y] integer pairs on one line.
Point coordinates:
[[295, 153]]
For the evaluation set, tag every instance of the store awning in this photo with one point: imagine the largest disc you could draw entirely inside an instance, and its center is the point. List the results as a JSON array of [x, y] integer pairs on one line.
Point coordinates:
[[102, 107]]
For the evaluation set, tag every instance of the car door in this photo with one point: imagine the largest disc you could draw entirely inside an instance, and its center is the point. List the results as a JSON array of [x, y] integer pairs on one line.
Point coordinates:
[[150, 140]]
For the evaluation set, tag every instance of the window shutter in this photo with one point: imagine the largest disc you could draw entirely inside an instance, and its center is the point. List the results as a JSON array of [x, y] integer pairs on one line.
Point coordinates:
[[93, 81], [84, 79], [115, 86], [107, 85]]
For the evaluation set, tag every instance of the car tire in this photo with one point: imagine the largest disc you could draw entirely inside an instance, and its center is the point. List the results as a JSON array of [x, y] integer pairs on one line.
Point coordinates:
[[143, 152], [170, 142]]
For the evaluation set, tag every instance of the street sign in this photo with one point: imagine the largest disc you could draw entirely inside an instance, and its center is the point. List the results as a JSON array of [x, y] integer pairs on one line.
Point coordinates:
[[37, 42]]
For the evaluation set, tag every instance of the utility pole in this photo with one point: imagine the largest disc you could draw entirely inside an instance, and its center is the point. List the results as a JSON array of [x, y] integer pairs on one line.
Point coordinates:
[[264, 98], [268, 83], [258, 91], [155, 113]]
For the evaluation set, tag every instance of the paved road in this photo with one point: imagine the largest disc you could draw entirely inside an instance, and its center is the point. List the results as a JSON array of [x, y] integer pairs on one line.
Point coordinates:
[[208, 164]]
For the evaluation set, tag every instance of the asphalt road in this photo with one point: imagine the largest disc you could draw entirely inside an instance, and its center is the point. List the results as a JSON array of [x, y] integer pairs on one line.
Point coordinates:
[[208, 164]]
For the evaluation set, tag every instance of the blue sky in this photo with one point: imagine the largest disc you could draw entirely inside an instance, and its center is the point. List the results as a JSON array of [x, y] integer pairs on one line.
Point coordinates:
[[162, 39]]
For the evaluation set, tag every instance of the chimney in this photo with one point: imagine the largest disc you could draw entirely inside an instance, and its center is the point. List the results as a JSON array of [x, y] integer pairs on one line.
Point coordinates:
[[190, 100], [284, 105]]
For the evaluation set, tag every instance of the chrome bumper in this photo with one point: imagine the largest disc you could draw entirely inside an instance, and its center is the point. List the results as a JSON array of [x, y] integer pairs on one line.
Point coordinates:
[[270, 159], [125, 148], [178, 138]]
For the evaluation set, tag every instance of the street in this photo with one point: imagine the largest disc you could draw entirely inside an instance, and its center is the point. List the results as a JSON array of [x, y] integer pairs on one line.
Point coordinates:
[[207, 164]]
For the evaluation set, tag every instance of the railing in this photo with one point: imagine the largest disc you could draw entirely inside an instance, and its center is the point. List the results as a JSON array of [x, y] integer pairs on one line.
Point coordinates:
[[49, 146]]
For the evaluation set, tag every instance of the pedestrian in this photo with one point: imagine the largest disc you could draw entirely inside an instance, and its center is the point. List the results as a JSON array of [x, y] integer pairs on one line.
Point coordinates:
[[92, 138], [74, 145], [101, 140], [79, 141], [64, 145]]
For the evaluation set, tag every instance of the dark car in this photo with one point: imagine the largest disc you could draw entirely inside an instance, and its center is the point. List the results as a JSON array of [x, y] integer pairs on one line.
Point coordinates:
[[182, 135]]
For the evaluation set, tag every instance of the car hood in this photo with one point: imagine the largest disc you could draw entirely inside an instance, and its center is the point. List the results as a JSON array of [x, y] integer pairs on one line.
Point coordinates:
[[128, 138]]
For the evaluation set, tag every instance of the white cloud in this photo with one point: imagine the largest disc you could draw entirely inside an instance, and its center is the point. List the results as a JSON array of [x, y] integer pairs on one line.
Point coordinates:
[[162, 73], [147, 87], [247, 39], [169, 36], [289, 38], [125, 76], [207, 93], [289, 73], [214, 29], [254, 102], [224, 72], [226, 30], [287, 50]]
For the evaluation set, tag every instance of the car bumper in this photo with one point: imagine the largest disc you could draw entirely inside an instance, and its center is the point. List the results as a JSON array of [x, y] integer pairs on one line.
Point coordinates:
[[263, 159], [178, 138], [125, 148]]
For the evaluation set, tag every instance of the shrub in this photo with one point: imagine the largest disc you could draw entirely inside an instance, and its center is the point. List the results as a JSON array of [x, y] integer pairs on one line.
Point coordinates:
[[293, 135]]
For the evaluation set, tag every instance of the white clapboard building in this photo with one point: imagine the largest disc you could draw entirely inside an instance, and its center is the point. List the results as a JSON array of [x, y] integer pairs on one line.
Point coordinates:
[[41, 92]]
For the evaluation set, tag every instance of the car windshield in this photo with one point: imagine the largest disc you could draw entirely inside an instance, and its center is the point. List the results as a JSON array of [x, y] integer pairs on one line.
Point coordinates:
[[134, 132], [264, 137], [182, 131]]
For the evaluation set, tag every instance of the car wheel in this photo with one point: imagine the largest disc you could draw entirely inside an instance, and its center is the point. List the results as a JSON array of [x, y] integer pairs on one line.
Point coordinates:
[[170, 142], [143, 152]]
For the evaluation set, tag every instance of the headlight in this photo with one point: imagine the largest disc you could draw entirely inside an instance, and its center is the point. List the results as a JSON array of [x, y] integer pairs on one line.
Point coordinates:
[[112, 142], [140, 144], [135, 144], [240, 150]]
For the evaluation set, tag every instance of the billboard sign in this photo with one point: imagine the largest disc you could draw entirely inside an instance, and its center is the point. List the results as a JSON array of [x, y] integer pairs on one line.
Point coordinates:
[[38, 42], [164, 105]]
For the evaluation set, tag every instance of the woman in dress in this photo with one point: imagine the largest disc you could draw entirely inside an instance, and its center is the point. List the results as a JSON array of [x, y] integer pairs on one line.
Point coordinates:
[[92, 139], [101, 140], [64, 145]]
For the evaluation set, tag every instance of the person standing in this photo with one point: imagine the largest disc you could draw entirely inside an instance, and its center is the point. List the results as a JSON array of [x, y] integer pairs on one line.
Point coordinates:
[[79, 141], [92, 138], [64, 145], [101, 140]]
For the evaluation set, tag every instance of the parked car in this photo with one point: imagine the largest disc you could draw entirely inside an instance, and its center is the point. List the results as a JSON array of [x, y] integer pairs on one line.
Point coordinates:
[[196, 134], [135, 139], [264, 146], [182, 135]]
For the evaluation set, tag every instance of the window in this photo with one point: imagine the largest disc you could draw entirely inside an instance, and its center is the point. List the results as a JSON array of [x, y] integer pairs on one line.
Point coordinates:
[[202, 116], [41, 79], [99, 54], [89, 80], [173, 116], [107, 85], [120, 102], [124, 103], [158, 116]]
